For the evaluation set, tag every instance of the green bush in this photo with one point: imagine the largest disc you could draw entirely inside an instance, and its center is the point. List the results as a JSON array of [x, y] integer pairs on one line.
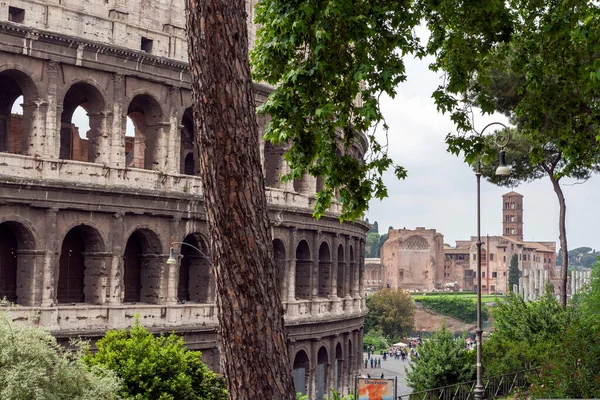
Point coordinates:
[[33, 366], [443, 360], [454, 306], [375, 338], [156, 368]]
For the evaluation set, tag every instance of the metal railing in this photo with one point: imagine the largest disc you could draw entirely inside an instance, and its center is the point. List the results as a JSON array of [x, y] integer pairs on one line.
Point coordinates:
[[495, 386]]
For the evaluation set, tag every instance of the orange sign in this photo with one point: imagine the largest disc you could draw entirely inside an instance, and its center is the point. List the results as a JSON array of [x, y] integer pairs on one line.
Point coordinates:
[[375, 389]]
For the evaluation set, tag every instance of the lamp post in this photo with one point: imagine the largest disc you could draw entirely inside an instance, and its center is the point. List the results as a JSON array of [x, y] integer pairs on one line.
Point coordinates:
[[172, 260], [501, 170]]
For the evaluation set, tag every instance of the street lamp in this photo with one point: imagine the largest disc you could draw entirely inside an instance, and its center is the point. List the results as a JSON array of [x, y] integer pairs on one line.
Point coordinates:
[[501, 141], [172, 260]]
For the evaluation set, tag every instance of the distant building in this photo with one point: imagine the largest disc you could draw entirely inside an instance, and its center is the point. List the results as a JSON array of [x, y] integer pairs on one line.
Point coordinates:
[[418, 260], [373, 275]]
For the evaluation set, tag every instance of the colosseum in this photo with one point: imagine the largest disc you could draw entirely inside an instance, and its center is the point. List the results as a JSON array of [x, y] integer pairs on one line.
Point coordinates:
[[88, 213]]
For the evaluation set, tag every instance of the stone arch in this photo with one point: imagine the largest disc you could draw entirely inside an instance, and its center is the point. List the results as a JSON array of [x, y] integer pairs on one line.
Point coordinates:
[[301, 372], [281, 262], [17, 268], [82, 276], [304, 185], [324, 287], [195, 272], [351, 272], [341, 268], [321, 371], [17, 132], [274, 163], [71, 146], [415, 242], [148, 119], [303, 270], [142, 267], [187, 149], [338, 367]]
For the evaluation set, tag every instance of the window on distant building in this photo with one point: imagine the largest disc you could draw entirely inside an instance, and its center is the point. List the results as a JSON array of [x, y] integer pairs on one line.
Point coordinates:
[[491, 257], [504, 273], [474, 257], [146, 45], [16, 14], [494, 274], [483, 274], [504, 258]]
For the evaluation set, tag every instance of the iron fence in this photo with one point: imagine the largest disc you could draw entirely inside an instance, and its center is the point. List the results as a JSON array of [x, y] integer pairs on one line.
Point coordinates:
[[495, 386]]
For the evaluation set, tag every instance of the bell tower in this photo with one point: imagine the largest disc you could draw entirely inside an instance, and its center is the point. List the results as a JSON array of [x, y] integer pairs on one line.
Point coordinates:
[[512, 216]]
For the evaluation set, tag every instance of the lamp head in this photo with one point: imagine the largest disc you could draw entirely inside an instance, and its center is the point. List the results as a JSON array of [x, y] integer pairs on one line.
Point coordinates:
[[171, 260], [502, 169]]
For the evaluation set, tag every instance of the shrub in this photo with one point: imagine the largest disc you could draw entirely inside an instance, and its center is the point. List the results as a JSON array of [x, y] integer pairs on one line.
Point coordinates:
[[33, 366], [156, 367], [454, 306], [375, 338]]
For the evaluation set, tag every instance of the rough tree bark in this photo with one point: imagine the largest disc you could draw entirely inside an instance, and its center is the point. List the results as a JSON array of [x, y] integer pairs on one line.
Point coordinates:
[[255, 358], [562, 217]]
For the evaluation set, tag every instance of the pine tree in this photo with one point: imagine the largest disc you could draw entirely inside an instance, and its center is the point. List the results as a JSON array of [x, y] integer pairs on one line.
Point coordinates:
[[513, 272]]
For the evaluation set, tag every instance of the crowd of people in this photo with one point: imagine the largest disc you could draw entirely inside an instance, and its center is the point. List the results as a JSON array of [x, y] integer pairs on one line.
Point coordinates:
[[399, 352]]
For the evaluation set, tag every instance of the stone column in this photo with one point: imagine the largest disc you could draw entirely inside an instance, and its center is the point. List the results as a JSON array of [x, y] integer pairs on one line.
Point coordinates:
[[312, 377], [30, 277], [118, 123], [158, 147], [172, 140], [521, 291], [347, 266], [115, 280], [173, 271], [292, 270], [52, 120], [50, 259], [361, 268], [314, 278], [34, 123], [99, 136], [95, 280]]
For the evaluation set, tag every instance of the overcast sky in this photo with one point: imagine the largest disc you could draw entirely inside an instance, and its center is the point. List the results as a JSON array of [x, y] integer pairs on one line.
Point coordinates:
[[440, 190]]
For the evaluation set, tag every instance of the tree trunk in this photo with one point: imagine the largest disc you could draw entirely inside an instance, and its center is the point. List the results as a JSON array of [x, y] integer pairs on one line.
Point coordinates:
[[562, 237], [255, 358]]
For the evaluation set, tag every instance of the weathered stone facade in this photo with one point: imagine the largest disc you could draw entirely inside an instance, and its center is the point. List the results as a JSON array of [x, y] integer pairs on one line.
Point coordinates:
[[413, 259], [84, 236]]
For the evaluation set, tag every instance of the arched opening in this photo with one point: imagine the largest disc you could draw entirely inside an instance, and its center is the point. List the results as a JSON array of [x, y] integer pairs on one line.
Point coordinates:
[[341, 266], [187, 152], [280, 261], [142, 264], [300, 372], [338, 368], [303, 185], [322, 378], [80, 269], [149, 136], [18, 112], [320, 183], [17, 268], [351, 272], [303, 267], [324, 287], [195, 273], [82, 109], [273, 163]]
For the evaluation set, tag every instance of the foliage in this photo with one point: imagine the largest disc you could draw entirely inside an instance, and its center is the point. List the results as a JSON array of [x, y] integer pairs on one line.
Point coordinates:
[[525, 333], [392, 312], [156, 367], [581, 257], [513, 272], [375, 338], [443, 360], [33, 366], [329, 62], [375, 242], [374, 228], [461, 308], [573, 369]]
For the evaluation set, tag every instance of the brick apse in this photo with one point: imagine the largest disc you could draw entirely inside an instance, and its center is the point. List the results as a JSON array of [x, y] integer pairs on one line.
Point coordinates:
[[87, 218]]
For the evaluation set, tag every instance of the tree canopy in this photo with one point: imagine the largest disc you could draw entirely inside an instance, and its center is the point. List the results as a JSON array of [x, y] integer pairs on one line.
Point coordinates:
[[392, 312], [513, 272]]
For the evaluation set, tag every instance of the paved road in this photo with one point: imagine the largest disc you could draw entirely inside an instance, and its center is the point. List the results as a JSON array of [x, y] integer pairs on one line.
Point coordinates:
[[390, 368]]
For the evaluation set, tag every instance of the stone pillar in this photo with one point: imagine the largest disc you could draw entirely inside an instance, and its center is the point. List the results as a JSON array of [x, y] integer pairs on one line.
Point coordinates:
[[292, 270], [158, 147], [312, 377], [521, 291], [30, 277], [172, 140], [34, 123], [334, 266], [173, 271], [95, 280], [526, 284], [347, 266], [515, 289], [99, 148], [115, 281], [50, 260], [314, 278], [52, 120], [118, 123], [361, 268]]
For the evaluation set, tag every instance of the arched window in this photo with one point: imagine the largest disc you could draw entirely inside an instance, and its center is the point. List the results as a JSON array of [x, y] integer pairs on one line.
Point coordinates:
[[142, 268], [324, 287], [322, 376], [195, 272], [148, 142], [303, 267], [300, 372], [280, 261]]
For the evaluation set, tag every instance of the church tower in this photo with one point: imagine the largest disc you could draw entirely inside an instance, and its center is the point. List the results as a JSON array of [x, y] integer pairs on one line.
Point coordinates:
[[512, 216]]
